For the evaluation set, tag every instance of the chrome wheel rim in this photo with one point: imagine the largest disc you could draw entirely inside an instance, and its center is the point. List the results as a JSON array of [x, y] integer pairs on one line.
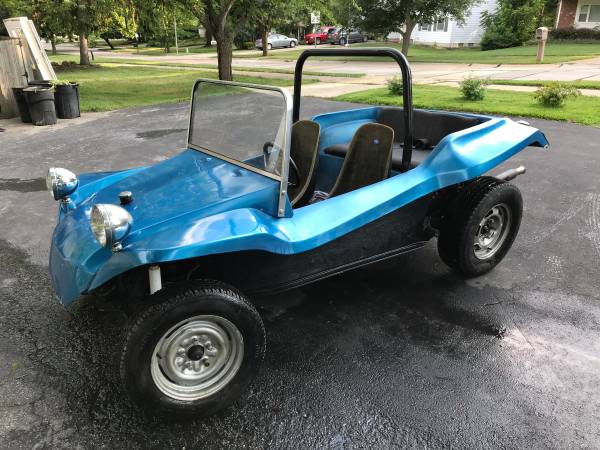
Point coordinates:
[[492, 231], [197, 357]]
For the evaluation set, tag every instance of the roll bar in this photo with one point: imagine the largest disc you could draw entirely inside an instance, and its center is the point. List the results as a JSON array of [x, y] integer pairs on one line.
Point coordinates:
[[406, 86]]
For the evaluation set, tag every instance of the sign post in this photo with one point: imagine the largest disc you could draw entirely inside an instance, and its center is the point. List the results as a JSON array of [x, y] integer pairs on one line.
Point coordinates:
[[315, 19]]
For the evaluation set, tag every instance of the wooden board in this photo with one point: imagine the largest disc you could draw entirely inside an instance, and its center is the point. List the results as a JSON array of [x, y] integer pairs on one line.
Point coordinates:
[[12, 74]]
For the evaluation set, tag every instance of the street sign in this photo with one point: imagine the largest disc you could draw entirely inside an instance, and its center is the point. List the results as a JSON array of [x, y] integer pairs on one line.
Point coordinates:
[[315, 17]]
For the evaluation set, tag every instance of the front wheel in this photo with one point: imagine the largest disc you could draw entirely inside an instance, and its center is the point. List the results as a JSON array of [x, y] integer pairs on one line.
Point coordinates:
[[342, 41], [193, 351], [269, 46], [292, 44], [318, 41], [482, 226]]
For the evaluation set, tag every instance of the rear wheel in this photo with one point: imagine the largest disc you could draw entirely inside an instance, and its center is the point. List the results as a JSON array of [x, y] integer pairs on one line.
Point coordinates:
[[481, 227], [365, 39], [193, 351]]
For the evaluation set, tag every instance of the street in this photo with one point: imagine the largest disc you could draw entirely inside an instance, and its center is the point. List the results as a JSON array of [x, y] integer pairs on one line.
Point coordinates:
[[404, 353]]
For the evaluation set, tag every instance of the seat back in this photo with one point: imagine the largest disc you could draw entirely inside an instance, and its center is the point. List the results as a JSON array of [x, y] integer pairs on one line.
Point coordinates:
[[368, 159], [304, 146]]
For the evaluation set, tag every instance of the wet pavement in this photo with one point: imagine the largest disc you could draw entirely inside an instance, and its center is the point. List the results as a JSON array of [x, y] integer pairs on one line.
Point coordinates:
[[400, 354]]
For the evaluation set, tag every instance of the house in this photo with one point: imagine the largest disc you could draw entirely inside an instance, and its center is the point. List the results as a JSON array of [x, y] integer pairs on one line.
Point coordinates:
[[445, 32], [578, 14]]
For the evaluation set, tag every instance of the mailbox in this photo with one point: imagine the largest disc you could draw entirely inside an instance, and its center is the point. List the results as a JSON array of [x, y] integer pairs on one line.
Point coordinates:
[[541, 34]]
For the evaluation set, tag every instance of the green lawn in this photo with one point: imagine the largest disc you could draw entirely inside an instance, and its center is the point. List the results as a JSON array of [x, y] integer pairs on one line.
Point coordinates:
[[581, 84], [584, 110], [138, 62], [556, 51], [106, 87]]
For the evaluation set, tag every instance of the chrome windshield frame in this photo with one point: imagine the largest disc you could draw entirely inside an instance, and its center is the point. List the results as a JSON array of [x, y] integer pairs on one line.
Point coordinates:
[[288, 104]]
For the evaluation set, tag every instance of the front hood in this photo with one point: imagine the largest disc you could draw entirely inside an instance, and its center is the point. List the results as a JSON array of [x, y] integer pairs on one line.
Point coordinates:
[[191, 182]]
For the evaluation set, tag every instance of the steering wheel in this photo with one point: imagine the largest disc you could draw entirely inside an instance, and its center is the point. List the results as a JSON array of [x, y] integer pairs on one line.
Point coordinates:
[[294, 176]]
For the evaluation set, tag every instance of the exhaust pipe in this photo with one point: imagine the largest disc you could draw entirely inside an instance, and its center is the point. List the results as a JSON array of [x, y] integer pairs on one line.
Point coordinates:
[[511, 173]]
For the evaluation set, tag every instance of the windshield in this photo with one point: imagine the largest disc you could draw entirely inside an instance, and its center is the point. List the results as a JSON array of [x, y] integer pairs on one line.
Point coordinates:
[[244, 124]]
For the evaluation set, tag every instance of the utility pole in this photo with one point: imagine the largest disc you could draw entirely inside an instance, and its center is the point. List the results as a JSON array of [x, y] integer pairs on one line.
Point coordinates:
[[175, 26]]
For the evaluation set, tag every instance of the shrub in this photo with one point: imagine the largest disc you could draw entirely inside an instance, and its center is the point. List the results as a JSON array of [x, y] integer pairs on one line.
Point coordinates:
[[493, 40], [555, 94], [473, 88], [573, 33], [395, 85]]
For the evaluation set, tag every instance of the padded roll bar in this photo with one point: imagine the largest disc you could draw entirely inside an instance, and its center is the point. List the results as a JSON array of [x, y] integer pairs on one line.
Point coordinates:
[[406, 86]]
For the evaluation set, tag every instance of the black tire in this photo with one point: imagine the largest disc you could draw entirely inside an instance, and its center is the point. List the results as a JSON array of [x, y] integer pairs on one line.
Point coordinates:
[[343, 41], [269, 46], [292, 44], [318, 41], [169, 308], [456, 242], [365, 39]]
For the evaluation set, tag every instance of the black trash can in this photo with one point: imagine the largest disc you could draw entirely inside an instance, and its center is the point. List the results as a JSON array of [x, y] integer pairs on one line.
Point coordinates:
[[22, 104], [41, 105], [66, 100]]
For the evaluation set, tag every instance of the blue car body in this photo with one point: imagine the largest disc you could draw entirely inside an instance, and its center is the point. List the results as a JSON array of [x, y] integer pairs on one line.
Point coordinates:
[[196, 204]]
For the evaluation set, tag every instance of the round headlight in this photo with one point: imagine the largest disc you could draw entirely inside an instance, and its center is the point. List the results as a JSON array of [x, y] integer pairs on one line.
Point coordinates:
[[61, 182], [110, 224]]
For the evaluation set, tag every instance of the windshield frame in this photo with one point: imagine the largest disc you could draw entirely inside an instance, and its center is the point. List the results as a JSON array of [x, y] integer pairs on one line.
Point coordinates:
[[288, 105]]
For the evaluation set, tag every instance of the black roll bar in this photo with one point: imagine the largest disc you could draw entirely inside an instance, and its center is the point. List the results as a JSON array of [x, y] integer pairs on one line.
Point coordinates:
[[406, 86]]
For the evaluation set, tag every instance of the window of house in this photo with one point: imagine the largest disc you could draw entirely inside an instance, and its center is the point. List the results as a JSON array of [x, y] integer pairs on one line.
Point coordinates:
[[439, 24], [589, 13]]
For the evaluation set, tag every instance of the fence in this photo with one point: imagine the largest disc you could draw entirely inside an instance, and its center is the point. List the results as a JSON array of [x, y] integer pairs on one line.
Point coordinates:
[[12, 74]]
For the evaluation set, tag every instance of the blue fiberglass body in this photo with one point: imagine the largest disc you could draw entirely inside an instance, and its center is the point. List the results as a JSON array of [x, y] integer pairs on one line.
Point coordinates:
[[195, 204]]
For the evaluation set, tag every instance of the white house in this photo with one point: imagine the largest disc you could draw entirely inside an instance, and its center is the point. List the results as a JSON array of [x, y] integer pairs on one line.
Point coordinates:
[[445, 32]]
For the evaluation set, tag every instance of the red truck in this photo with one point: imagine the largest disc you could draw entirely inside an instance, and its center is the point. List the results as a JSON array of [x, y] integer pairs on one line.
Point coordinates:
[[319, 36]]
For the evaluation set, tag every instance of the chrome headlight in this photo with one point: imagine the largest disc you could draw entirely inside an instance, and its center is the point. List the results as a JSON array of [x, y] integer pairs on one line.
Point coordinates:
[[61, 182], [110, 224]]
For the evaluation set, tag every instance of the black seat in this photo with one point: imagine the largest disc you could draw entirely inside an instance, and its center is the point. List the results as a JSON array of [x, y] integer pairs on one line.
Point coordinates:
[[368, 159], [418, 156], [304, 154]]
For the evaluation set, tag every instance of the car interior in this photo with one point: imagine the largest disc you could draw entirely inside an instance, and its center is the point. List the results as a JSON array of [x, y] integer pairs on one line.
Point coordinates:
[[324, 164]]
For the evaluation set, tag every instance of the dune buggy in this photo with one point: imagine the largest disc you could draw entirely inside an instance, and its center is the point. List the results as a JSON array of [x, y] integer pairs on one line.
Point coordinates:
[[260, 202]]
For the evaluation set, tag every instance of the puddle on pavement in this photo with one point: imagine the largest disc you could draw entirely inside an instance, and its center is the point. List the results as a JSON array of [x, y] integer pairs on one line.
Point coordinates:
[[154, 134], [18, 185]]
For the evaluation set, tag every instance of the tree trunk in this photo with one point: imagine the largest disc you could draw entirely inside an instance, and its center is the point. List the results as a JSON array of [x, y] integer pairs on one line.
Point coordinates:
[[265, 42], [409, 27], [208, 33], [84, 56], [112, 47], [53, 43], [224, 55]]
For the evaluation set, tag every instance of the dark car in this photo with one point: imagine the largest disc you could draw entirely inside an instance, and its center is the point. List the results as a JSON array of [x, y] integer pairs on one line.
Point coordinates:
[[343, 36]]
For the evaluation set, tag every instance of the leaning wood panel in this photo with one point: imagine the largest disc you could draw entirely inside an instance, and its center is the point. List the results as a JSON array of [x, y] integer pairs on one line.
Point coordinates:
[[11, 75]]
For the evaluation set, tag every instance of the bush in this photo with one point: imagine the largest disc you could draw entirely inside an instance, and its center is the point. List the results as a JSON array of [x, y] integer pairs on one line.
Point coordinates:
[[573, 33], [555, 94], [395, 85], [493, 40], [473, 88]]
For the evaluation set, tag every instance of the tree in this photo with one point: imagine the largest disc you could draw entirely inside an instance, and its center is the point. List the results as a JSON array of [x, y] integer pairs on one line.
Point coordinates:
[[268, 14], [512, 23], [227, 18], [385, 16]]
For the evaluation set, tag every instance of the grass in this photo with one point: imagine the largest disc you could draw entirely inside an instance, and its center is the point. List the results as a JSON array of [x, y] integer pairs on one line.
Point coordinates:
[[584, 110], [581, 84], [138, 62], [107, 87], [556, 51]]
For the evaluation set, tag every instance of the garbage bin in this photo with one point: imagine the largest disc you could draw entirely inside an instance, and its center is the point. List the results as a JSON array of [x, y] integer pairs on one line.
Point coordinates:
[[41, 105], [22, 104], [66, 100]]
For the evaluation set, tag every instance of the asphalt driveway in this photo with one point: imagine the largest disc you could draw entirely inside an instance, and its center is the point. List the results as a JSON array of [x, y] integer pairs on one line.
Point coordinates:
[[401, 354]]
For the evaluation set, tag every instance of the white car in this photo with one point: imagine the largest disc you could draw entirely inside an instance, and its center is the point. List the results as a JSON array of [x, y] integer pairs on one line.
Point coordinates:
[[277, 41]]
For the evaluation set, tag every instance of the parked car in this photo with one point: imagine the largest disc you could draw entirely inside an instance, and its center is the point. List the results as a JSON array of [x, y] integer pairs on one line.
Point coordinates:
[[319, 36], [261, 202], [343, 35], [277, 41]]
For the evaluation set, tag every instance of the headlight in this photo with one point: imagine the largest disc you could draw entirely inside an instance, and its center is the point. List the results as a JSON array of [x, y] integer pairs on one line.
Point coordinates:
[[61, 182], [110, 224]]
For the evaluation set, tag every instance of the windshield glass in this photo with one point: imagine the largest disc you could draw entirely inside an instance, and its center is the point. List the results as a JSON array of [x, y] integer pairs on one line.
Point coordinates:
[[244, 124]]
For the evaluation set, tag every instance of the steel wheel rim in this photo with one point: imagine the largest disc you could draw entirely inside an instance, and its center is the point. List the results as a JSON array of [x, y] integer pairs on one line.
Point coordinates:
[[492, 231], [197, 357]]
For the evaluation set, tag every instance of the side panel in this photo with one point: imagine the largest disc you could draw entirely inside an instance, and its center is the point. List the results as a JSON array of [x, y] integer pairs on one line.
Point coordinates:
[[395, 233]]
